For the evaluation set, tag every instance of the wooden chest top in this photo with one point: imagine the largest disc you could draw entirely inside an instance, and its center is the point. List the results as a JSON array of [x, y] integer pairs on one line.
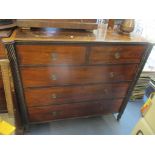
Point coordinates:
[[62, 35]]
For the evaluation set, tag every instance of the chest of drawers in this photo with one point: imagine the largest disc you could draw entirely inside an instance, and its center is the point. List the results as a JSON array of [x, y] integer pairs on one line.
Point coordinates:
[[59, 74]]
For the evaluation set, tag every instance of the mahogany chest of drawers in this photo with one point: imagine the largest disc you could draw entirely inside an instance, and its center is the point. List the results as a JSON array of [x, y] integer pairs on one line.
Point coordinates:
[[67, 74]]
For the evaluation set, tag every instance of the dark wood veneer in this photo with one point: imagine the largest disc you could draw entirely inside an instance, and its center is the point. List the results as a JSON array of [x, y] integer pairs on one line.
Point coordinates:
[[47, 113], [51, 76], [60, 95], [116, 54], [52, 54]]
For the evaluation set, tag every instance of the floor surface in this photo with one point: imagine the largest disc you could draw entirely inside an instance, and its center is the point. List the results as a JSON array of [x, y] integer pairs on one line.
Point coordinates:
[[101, 125]]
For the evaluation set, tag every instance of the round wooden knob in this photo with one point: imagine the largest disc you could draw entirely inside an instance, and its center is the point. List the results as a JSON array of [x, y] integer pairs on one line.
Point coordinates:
[[105, 91]]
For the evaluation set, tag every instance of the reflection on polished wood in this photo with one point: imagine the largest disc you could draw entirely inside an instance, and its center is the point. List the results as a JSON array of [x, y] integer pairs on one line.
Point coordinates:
[[54, 34], [88, 24]]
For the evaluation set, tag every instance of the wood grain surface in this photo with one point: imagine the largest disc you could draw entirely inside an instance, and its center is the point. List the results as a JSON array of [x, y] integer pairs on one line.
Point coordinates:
[[48, 113], [116, 54], [61, 95], [64, 75], [51, 54], [73, 36]]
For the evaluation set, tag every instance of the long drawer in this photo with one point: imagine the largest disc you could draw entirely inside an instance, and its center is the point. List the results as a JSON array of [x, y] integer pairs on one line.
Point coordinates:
[[116, 54], [50, 76], [47, 113], [51, 54], [61, 95]]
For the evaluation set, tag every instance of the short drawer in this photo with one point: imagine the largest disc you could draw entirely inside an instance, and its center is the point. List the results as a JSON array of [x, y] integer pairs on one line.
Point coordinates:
[[47, 113], [116, 54], [53, 76], [50, 54], [72, 94]]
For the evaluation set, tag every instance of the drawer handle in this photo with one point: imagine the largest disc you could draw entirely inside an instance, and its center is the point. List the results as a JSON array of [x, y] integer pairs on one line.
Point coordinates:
[[54, 96], [111, 74], [56, 113], [54, 77], [105, 91], [54, 56], [117, 55]]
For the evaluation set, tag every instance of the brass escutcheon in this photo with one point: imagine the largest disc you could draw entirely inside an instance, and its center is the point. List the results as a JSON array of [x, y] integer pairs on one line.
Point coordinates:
[[117, 55]]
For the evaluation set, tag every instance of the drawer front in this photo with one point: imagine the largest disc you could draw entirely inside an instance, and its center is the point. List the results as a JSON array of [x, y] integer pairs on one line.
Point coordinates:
[[116, 54], [47, 113], [50, 54], [62, 95], [50, 76]]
